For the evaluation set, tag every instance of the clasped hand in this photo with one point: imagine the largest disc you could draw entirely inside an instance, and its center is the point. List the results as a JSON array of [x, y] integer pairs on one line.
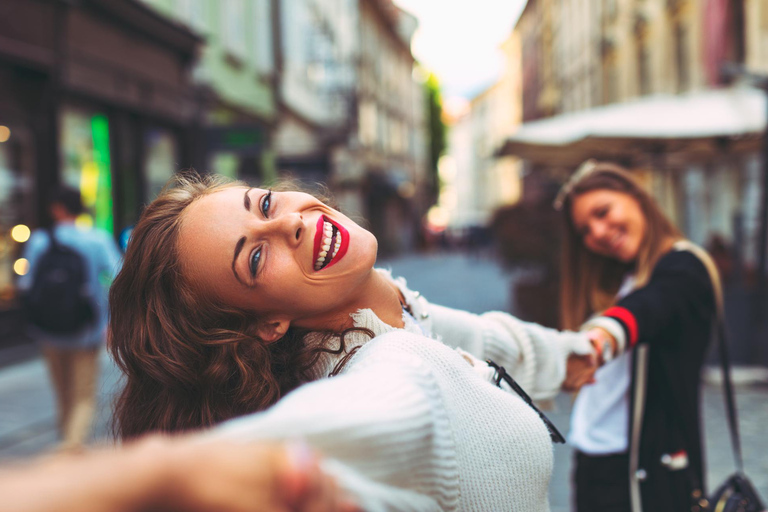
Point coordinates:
[[580, 369]]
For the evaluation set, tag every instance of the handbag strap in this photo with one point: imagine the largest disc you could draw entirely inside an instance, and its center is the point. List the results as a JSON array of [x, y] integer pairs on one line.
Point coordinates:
[[725, 365], [51, 230]]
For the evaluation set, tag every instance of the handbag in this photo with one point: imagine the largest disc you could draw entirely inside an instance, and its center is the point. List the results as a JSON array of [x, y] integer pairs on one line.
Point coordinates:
[[737, 493]]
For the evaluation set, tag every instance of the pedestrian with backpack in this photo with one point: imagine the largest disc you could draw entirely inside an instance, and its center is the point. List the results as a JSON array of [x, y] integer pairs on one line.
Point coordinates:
[[65, 302]]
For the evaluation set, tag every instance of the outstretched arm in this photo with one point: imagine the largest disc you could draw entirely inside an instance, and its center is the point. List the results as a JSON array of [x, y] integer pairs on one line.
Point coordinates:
[[188, 473], [534, 355]]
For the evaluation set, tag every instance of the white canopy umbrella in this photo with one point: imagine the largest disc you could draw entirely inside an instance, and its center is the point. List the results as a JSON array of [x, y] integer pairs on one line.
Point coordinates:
[[695, 125]]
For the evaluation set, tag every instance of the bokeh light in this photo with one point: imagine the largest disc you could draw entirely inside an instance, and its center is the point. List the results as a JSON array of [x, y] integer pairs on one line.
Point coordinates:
[[5, 133], [21, 266], [438, 218], [84, 221], [20, 233]]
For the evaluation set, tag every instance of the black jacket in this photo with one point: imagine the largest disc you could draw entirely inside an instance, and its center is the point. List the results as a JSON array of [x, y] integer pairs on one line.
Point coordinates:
[[670, 323]]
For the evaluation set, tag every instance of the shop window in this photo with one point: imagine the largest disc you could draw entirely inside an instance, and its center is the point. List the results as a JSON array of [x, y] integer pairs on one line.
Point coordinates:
[[644, 68], [14, 224], [86, 164], [682, 56], [368, 124]]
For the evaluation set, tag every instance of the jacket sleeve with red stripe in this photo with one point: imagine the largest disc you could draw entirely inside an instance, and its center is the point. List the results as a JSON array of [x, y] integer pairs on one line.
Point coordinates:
[[679, 288]]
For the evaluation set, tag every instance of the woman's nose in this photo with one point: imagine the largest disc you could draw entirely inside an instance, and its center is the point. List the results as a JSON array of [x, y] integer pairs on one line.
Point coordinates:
[[598, 231], [291, 226]]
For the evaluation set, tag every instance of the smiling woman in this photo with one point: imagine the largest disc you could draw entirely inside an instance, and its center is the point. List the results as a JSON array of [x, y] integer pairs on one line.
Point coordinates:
[[184, 312], [231, 298], [631, 280]]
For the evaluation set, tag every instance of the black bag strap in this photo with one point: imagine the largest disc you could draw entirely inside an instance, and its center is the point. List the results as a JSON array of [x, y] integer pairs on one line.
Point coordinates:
[[501, 374], [730, 401], [722, 341], [51, 230]]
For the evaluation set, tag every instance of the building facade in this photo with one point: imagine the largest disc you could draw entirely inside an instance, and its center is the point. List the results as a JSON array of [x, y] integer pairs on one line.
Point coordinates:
[[615, 51], [476, 182], [384, 162], [314, 70], [317, 91], [351, 114], [93, 94], [234, 77]]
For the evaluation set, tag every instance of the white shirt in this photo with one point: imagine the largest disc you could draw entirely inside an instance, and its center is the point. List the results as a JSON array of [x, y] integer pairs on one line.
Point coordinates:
[[600, 417]]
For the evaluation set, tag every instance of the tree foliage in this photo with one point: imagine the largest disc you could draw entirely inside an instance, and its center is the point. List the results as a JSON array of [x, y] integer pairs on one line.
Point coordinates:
[[437, 133]]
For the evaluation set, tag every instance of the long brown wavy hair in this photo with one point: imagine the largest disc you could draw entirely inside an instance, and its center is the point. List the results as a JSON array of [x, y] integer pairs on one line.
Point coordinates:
[[590, 281], [189, 361]]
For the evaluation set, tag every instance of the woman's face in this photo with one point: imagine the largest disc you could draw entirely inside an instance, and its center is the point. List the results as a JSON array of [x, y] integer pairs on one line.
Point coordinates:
[[284, 255], [610, 223]]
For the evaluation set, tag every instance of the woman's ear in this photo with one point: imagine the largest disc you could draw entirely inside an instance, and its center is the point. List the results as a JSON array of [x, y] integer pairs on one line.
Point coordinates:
[[272, 330]]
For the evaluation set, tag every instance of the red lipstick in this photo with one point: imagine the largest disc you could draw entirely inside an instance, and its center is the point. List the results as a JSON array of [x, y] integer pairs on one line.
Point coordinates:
[[318, 239], [340, 234], [344, 243]]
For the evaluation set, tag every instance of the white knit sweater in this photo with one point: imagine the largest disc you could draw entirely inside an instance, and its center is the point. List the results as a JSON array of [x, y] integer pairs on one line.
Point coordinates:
[[410, 424]]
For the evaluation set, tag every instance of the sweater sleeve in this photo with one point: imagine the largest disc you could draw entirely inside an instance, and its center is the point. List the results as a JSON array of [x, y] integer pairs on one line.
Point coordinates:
[[382, 429], [679, 288], [534, 355]]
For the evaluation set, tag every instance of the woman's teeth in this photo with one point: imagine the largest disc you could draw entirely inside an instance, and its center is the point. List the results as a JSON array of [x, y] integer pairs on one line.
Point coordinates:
[[325, 248]]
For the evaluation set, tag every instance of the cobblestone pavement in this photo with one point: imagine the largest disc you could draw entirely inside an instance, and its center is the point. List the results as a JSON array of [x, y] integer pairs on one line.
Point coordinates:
[[477, 284], [27, 408]]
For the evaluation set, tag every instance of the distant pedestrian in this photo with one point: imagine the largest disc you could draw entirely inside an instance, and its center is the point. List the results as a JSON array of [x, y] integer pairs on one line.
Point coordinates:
[[636, 428], [65, 295]]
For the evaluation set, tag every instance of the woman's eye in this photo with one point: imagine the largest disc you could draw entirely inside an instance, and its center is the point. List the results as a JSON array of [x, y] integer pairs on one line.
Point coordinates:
[[602, 212], [253, 264], [265, 204]]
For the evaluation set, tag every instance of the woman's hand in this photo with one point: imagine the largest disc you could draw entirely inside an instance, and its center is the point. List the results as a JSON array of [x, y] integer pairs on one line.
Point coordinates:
[[228, 476], [580, 370], [187, 473], [605, 344]]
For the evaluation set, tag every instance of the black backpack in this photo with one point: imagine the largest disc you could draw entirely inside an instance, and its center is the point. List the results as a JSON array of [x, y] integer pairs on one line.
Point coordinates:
[[58, 301]]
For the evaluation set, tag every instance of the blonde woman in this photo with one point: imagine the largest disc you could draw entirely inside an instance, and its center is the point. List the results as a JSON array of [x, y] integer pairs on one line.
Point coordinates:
[[630, 280]]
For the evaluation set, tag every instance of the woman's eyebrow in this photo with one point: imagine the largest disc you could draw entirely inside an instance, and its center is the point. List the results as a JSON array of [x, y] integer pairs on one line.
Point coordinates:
[[247, 200], [241, 242], [238, 248]]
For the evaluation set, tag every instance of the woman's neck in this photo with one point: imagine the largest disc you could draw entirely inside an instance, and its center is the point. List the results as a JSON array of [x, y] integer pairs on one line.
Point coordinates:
[[381, 295], [376, 292]]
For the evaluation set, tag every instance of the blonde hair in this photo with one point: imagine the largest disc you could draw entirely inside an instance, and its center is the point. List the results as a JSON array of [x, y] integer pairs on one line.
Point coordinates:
[[590, 282]]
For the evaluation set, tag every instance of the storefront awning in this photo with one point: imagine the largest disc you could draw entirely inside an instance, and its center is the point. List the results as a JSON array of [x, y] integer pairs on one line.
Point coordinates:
[[692, 126]]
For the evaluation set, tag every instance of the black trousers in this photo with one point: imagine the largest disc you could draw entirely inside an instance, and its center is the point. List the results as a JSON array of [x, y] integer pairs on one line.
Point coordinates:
[[602, 483]]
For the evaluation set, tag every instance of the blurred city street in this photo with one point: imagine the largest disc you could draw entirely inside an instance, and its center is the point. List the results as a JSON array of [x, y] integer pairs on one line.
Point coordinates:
[[476, 283], [502, 153]]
